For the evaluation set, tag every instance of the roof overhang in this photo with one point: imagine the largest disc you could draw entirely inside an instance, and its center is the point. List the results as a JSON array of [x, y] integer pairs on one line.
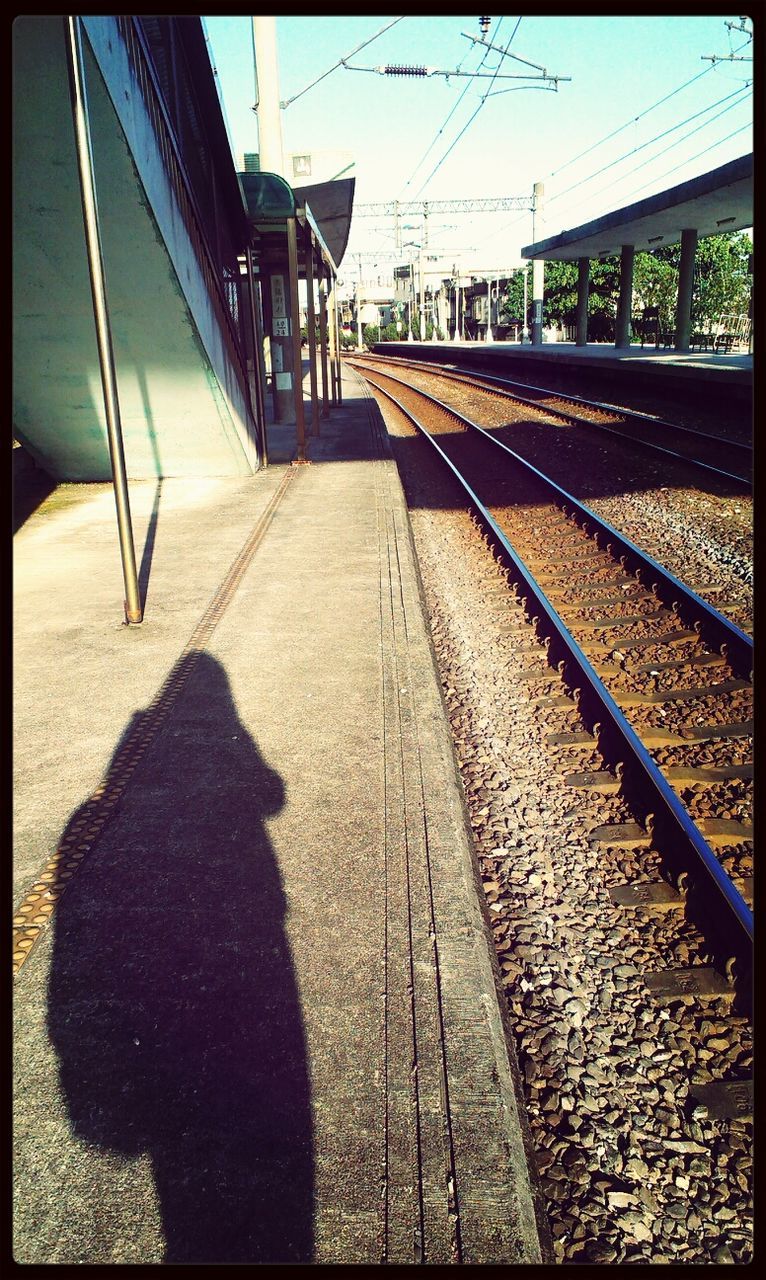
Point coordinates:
[[322, 212], [721, 200]]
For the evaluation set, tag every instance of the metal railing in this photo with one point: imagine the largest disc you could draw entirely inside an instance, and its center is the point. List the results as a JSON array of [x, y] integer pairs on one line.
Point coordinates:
[[223, 303]]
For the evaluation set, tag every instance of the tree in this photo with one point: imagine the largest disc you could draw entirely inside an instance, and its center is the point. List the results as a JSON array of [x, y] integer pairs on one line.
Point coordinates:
[[721, 279]]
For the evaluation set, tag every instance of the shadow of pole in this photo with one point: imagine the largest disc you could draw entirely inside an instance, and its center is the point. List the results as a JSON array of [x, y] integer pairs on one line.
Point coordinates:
[[172, 1002]]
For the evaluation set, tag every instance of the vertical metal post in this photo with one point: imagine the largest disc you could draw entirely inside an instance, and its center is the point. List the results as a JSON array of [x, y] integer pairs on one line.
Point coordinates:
[[338, 366], [625, 299], [295, 324], [323, 346], [581, 320], [257, 359], [311, 330], [333, 356], [76, 71]]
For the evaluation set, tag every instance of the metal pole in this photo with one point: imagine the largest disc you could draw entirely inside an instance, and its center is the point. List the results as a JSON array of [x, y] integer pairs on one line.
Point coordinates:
[[331, 317], [311, 327], [257, 359], [338, 367], [323, 346], [76, 71], [295, 324]]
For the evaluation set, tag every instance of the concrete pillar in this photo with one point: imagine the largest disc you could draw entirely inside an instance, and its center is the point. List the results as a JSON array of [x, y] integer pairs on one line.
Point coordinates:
[[268, 110], [538, 268], [625, 301], [685, 286], [581, 334], [277, 301]]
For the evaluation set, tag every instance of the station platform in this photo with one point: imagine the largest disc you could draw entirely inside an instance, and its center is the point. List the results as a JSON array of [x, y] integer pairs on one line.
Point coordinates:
[[605, 365], [256, 1015]]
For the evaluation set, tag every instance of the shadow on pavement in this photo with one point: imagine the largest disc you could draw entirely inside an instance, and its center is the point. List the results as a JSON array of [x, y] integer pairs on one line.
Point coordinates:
[[173, 1005]]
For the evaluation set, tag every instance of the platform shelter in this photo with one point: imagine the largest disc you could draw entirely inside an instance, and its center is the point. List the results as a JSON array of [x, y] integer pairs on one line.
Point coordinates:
[[720, 200]]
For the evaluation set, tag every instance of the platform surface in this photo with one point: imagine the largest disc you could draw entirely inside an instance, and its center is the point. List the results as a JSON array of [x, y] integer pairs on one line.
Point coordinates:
[[706, 366], [257, 1019]]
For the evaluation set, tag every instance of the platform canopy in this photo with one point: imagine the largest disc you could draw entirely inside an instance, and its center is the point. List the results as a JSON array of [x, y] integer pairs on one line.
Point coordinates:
[[721, 200], [324, 208]]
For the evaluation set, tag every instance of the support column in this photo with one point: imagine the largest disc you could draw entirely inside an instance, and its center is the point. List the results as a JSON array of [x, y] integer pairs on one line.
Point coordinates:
[[311, 331], [294, 309], [338, 368], [538, 267], [583, 270], [685, 287], [332, 344], [625, 300], [323, 347], [281, 345]]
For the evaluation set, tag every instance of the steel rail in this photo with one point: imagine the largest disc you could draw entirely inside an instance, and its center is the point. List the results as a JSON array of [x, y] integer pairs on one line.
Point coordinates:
[[458, 374], [681, 832], [735, 645]]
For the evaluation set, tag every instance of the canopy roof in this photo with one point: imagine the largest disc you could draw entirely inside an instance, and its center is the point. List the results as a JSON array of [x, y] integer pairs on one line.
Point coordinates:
[[721, 200], [322, 209]]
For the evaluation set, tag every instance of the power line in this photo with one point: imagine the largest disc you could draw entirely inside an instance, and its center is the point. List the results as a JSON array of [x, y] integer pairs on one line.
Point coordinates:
[[608, 137], [341, 63], [657, 137], [473, 117], [433, 142], [704, 152]]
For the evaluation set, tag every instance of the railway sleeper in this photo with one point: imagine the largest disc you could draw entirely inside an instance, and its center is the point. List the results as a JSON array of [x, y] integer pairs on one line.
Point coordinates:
[[655, 736], [660, 896], [640, 642], [675, 664], [684, 775], [628, 698], [622, 835]]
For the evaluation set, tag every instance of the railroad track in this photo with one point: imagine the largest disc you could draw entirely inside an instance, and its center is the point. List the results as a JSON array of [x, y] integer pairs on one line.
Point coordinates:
[[657, 675], [729, 460]]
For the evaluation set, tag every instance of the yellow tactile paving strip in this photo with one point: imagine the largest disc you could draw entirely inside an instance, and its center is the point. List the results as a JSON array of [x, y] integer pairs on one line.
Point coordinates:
[[36, 910]]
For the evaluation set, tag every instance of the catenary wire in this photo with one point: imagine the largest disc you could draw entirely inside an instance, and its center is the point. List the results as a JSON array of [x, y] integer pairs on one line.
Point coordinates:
[[473, 117], [434, 140]]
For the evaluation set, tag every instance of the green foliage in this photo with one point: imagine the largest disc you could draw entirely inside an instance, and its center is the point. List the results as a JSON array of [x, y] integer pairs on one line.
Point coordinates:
[[721, 287]]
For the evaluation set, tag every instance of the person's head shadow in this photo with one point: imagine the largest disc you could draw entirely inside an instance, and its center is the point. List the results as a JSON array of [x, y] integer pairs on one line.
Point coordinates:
[[173, 1005]]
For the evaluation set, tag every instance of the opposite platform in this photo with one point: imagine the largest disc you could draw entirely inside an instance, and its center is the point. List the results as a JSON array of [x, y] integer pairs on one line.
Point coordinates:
[[257, 1017]]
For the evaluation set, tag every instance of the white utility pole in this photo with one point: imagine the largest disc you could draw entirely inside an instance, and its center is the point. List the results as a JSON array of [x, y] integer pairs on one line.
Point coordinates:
[[422, 297], [537, 268], [489, 337], [267, 108]]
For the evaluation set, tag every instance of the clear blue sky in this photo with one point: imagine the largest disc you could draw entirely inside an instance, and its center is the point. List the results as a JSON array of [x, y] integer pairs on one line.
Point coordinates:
[[619, 68]]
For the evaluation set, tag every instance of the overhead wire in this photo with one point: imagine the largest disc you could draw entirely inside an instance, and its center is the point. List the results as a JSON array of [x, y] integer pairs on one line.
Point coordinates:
[[713, 145], [608, 137], [641, 146], [342, 62], [434, 140], [476, 112]]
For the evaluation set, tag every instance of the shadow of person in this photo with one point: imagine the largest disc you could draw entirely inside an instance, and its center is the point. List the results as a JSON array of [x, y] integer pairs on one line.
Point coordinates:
[[173, 1005]]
